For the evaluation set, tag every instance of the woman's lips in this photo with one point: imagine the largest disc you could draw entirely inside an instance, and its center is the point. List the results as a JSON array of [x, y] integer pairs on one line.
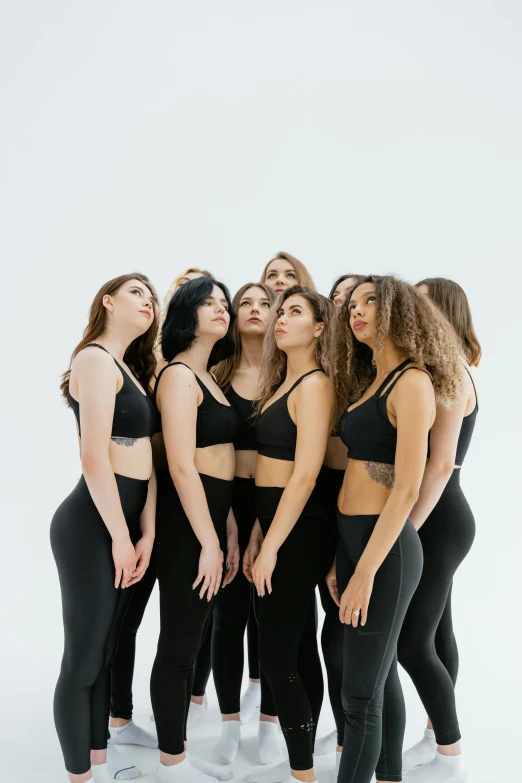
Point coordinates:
[[359, 325]]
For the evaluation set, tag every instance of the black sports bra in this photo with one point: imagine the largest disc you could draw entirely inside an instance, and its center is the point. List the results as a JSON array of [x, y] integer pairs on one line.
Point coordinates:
[[466, 430], [245, 439], [367, 431], [216, 422], [276, 433], [135, 415]]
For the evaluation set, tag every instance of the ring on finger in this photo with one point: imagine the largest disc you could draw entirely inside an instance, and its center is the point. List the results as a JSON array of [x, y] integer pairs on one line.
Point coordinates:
[[357, 613]]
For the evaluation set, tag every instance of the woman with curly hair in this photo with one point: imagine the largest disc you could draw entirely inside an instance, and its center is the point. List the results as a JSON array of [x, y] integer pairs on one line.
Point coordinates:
[[234, 614], [291, 543], [427, 647], [395, 357], [102, 534], [195, 479], [284, 271]]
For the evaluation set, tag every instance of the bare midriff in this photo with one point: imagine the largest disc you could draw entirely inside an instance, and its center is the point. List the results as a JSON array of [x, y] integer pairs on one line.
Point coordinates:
[[335, 456], [362, 494], [246, 461], [217, 461], [273, 472], [131, 457]]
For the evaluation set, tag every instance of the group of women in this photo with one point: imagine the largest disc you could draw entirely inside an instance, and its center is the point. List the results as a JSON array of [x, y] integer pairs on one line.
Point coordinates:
[[244, 452]]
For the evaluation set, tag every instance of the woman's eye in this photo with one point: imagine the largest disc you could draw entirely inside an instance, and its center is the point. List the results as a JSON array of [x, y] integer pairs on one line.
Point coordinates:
[[245, 304], [270, 275], [266, 304], [292, 275]]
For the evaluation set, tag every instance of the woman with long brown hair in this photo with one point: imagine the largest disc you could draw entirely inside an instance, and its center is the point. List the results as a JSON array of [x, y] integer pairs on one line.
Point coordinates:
[[284, 271], [427, 648], [102, 534], [238, 376], [291, 544], [395, 357]]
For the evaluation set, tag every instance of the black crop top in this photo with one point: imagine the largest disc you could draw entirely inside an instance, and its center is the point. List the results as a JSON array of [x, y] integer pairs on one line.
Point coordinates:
[[216, 422], [366, 430], [466, 430], [135, 415], [276, 433], [245, 439]]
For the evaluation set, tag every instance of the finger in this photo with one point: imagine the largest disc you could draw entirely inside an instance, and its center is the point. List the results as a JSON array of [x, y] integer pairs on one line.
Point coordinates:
[[334, 593], [262, 586], [364, 613], [117, 579], [356, 613], [198, 580], [269, 584], [211, 588], [204, 586]]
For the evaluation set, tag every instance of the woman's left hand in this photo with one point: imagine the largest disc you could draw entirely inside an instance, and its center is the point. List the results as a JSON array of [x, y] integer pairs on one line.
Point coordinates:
[[232, 563], [143, 552], [263, 570], [355, 599]]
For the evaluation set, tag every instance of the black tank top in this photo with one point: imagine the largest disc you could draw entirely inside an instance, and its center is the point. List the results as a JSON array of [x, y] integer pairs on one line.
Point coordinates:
[[216, 422], [245, 439], [135, 415], [466, 430], [367, 431], [276, 433]]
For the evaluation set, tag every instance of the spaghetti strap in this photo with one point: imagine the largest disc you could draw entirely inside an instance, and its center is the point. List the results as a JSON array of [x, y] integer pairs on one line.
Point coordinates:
[[390, 376], [474, 387], [392, 385], [298, 381], [173, 364]]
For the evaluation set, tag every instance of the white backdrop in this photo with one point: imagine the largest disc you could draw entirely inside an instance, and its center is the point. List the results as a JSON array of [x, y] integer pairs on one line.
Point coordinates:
[[362, 137]]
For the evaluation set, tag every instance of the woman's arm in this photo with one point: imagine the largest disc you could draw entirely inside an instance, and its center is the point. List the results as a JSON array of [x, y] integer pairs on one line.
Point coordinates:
[[252, 550], [233, 554], [148, 529], [414, 407], [177, 398], [444, 437], [314, 400], [97, 378]]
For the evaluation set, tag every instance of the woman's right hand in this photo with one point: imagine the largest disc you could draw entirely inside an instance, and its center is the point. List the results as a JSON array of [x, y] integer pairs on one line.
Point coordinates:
[[331, 583], [251, 553], [210, 571], [125, 559]]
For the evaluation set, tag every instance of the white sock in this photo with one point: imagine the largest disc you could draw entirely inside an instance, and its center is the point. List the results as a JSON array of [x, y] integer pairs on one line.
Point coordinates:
[[338, 754], [277, 774], [100, 773], [226, 748], [298, 781], [131, 734], [267, 748], [420, 753], [119, 766], [196, 714], [442, 769], [213, 770], [250, 701], [325, 744], [183, 772]]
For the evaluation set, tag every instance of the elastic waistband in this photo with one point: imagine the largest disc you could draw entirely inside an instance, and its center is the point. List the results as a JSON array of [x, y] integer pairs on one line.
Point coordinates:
[[354, 518], [125, 481], [267, 501], [245, 483]]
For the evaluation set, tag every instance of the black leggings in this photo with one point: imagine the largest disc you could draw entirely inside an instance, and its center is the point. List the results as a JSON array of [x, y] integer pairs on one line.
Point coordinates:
[[183, 614], [369, 650], [426, 647], [328, 486], [234, 613], [93, 611], [288, 654]]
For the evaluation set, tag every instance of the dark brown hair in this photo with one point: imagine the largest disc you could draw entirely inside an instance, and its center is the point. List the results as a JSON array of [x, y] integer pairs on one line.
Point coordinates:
[[451, 299], [358, 280], [139, 356], [224, 371]]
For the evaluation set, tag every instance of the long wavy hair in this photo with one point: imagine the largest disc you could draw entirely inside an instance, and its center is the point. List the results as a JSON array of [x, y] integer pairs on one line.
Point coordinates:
[[274, 364], [139, 356], [417, 329], [358, 280], [168, 296], [226, 369], [179, 328], [452, 300], [304, 278]]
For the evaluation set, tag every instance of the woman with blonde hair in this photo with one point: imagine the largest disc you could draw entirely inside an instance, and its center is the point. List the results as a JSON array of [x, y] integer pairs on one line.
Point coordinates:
[[291, 546], [395, 357], [284, 271]]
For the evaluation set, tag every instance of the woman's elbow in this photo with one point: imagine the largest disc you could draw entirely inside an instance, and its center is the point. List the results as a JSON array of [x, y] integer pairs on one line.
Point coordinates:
[[305, 479], [443, 468]]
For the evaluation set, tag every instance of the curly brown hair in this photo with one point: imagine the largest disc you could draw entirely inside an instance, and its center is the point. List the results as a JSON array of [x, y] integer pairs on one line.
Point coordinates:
[[273, 366], [417, 329], [139, 356], [224, 371]]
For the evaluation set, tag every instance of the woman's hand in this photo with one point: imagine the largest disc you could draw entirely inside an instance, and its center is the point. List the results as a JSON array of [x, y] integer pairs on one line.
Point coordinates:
[[124, 557], [233, 557], [263, 570], [210, 571], [331, 582], [252, 551], [355, 599], [143, 553]]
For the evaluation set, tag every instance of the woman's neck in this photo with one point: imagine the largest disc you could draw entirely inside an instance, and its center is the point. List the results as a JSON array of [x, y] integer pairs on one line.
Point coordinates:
[[197, 355], [115, 343], [389, 358], [299, 361], [251, 353]]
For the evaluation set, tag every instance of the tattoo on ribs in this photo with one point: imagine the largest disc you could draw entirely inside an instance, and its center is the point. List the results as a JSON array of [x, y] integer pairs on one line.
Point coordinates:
[[125, 441], [381, 473]]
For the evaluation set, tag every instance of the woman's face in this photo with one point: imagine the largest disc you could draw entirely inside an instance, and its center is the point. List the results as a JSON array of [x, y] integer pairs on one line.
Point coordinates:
[[213, 315], [253, 313], [280, 275], [423, 289], [362, 307], [339, 295], [132, 305], [186, 277], [296, 326]]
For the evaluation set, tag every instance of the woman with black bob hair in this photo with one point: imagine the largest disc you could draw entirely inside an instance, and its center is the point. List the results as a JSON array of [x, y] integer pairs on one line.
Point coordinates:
[[195, 476]]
